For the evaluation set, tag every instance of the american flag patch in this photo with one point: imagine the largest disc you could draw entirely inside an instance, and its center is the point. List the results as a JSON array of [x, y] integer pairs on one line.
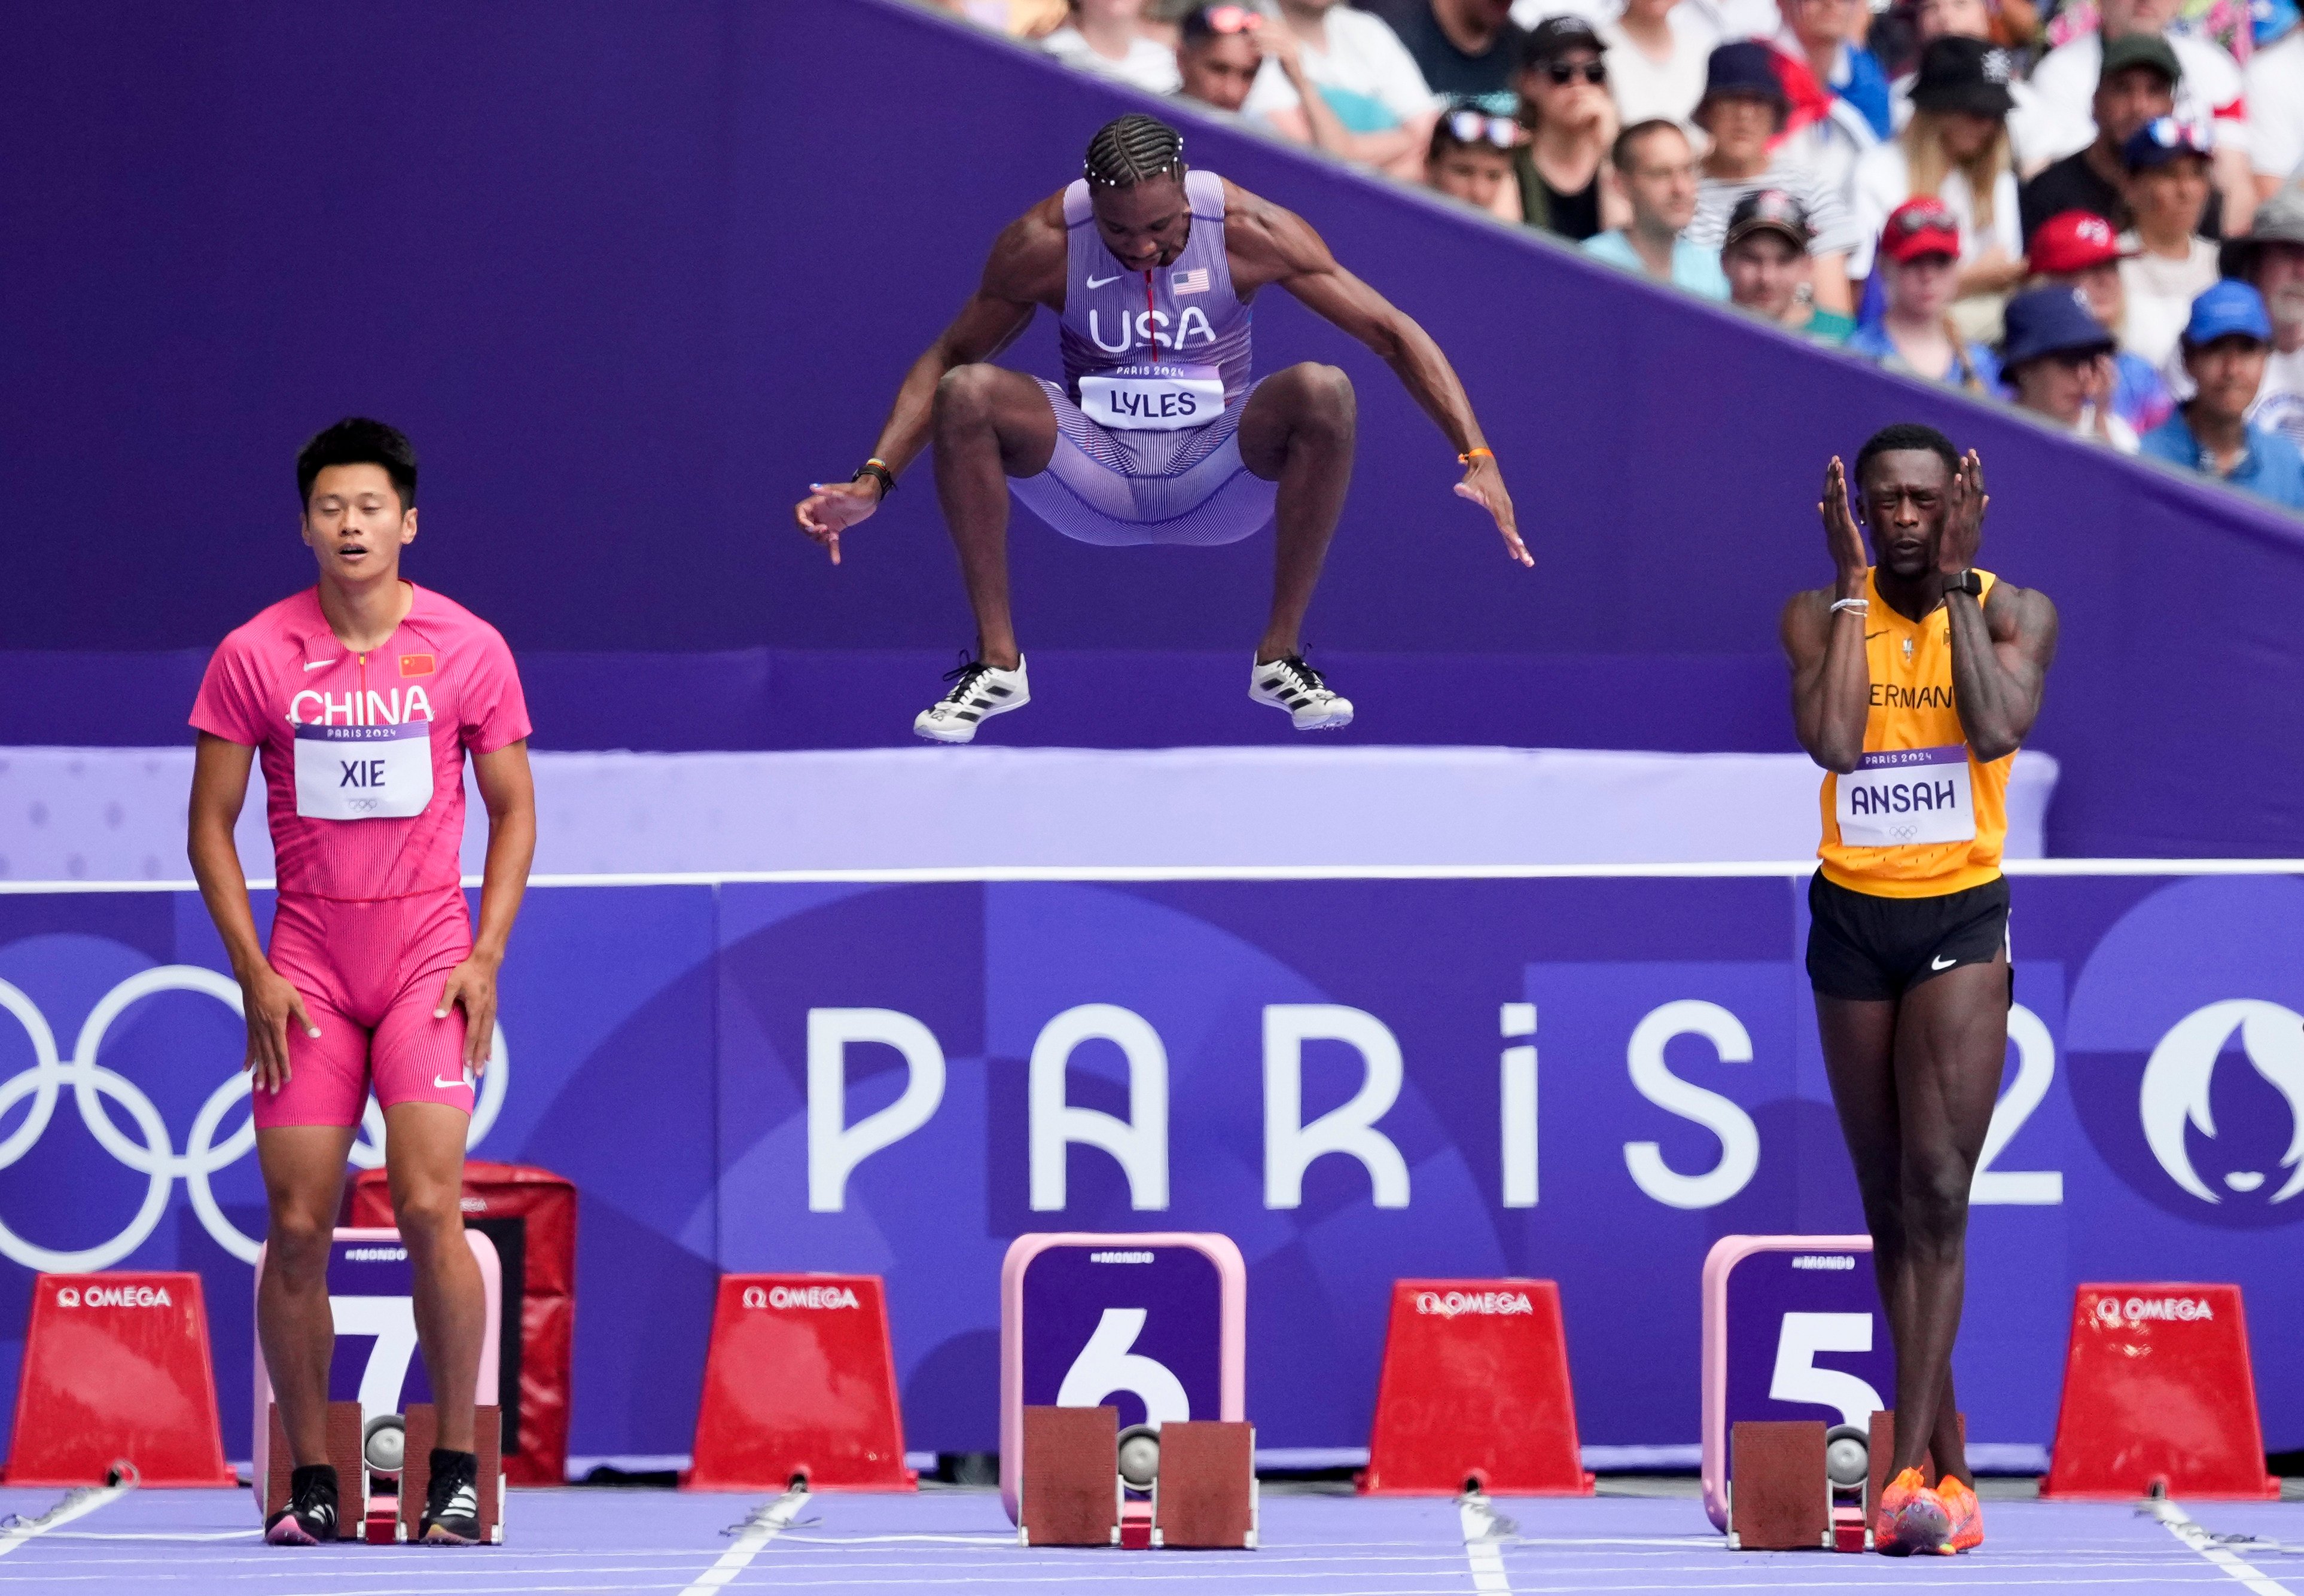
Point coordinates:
[[1195, 281]]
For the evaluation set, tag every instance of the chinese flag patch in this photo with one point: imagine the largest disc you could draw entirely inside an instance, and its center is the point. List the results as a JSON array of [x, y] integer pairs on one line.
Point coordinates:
[[416, 665]]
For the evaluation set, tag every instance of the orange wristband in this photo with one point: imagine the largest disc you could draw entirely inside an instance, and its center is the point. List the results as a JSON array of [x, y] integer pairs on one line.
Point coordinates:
[[1465, 458]]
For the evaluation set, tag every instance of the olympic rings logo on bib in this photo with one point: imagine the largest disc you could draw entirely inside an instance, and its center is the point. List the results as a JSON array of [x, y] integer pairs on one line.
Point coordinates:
[[155, 1157]]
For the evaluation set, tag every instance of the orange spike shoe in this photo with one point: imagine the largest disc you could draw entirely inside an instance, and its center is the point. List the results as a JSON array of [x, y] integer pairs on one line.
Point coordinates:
[[1911, 1518], [1967, 1515]]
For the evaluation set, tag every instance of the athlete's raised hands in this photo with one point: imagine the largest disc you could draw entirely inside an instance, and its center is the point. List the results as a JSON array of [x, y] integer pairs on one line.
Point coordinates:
[[1484, 486], [1963, 531], [1841, 537], [832, 507]]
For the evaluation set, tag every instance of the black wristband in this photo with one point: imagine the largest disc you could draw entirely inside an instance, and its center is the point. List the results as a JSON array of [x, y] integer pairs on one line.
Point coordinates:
[[877, 472]]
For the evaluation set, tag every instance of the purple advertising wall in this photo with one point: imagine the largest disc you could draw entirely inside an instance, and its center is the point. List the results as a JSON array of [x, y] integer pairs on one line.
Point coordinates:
[[778, 1076], [632, 278]]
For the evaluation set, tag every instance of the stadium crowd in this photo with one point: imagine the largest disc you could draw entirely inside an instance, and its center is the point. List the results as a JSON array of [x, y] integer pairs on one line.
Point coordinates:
[[2093, 210]]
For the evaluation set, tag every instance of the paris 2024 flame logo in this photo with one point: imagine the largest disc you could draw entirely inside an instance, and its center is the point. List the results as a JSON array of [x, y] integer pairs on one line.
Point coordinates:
[[2181, 1071]]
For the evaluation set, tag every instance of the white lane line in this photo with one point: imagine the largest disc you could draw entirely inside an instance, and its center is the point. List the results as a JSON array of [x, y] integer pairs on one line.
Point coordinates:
[[765, 1526], [1483, 1543], [73, 1506], [2178, 1524]]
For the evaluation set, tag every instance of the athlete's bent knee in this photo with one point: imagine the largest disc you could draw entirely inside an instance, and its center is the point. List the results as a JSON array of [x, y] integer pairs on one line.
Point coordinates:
[[965, 397], [1330, 406]]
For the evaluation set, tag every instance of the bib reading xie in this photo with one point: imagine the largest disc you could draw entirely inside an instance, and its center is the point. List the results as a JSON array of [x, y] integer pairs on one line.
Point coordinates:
[[363, 773]]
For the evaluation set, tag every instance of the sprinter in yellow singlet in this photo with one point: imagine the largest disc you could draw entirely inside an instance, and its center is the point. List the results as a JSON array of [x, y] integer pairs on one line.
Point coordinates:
[[1915, 679]]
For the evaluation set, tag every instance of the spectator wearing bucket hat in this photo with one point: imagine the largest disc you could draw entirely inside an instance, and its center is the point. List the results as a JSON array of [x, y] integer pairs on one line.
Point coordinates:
[[2057, 357], [2138, 84], [1766, 264], [2275, 98], [2033, 130], [1743, 109], [1955, 149], [1918, 264], [2168, 262], [2225, 342], [2269, 257], [2077, 251]]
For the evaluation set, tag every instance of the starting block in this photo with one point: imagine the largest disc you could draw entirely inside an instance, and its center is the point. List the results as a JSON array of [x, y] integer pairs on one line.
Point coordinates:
[[1781, 1497], [116, 1381], [376, 1385], [1160, 1322], [1474, 1394], [2158, 1392], [800, 1384], [1775, 1308]]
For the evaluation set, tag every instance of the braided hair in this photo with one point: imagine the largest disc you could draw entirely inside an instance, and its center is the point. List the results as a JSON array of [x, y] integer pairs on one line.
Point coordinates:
[[1134, 149]]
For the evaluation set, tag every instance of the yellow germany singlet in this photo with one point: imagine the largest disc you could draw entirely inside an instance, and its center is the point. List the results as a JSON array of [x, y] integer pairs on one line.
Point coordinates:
[[1922, 815]]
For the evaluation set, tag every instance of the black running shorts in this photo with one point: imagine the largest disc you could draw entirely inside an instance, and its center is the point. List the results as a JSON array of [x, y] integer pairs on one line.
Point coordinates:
[[1874, 948]]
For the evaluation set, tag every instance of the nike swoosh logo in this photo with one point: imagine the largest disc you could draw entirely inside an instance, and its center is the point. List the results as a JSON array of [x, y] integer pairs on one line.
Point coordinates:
[[1942, 964], [315, 664], [1100, 281], [447, 1085]]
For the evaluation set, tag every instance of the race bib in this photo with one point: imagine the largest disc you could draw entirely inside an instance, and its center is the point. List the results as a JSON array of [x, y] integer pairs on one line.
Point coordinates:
[[363, 773], [1907, 796], [1162, 398]]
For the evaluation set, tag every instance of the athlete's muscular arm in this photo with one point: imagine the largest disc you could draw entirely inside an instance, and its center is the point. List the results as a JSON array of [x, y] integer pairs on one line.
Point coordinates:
[[509, 791], [1832, 680], [1268, 245], [1026, 270], [219, 788], [2001, 648]]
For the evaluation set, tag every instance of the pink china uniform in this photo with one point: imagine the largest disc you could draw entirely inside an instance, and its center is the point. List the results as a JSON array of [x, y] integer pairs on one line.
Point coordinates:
[[363, 761]]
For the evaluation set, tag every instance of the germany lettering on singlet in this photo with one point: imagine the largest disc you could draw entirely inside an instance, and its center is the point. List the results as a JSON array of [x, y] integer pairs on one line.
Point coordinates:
[[1921, 816]]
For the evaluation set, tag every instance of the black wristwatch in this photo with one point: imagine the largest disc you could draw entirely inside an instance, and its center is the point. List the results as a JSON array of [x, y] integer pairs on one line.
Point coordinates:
[[1970, 581]]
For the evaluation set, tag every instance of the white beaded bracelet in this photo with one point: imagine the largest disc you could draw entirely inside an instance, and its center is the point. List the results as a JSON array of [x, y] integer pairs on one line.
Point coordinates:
[[1862, 606]]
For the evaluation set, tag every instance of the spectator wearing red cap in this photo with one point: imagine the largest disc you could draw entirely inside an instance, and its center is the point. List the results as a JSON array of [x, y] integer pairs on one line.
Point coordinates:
[[2057, 357], [2168, 263], [2076, 250], [1743, 109], [1954, 149], [2270, 257], [1766, 262], [1918, 263]]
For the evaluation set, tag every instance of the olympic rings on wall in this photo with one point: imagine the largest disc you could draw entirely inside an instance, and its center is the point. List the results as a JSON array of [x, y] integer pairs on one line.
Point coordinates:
[[154, 1155]]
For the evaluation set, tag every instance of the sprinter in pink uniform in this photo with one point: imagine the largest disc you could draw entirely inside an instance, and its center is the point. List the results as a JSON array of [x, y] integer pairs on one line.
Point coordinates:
[[362, 696]]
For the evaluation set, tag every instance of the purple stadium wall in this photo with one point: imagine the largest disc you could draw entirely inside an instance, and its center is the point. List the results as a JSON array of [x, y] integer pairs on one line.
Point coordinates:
[[631, 277]]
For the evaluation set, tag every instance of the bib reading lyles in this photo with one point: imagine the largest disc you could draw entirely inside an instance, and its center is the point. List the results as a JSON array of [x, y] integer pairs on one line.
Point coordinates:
[[1907, 795], [363, 773], [1162, 397]]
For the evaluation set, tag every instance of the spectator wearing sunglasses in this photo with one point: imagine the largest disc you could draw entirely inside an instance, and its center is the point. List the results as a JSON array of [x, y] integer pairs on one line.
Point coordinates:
[[1655, 167], [1743, 109], [1471, 156], [1466, 49], [2168, 262], [1381, 107], [1765, 261], [1954, 149], [2057, 357], [1656, 51], [1106, 37], [1571, 124], [1918, 263]]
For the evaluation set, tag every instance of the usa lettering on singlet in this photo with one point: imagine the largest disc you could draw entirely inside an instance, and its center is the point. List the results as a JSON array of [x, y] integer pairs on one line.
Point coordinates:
[[1163, 350], [1920, 814]]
